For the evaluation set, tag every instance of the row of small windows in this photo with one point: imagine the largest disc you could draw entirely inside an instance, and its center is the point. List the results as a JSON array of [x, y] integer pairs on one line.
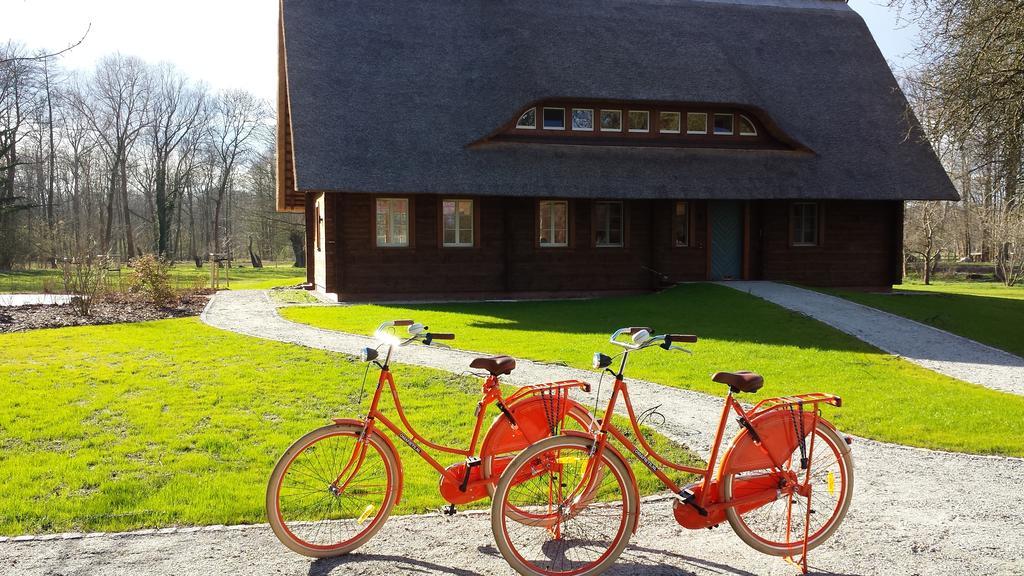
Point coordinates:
[[457, 223], [636, 121]]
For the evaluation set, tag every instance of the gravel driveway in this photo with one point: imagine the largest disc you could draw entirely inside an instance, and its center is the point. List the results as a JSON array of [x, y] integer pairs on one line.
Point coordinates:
[[915, 512], [935, 349]]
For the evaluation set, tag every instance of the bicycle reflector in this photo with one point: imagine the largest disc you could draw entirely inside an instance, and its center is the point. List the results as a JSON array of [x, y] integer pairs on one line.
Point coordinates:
[[601, 361], [368, 354]]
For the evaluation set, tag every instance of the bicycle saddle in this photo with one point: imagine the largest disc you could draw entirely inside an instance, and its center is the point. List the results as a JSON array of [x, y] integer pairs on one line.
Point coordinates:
[[740, 381], [496, 365]]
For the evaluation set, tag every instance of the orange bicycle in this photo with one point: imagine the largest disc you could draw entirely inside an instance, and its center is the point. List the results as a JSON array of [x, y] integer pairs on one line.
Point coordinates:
[[334, 488], [784, 483]]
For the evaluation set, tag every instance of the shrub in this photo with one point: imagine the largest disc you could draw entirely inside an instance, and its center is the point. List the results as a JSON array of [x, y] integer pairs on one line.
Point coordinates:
[[150, 276], [84, 279]]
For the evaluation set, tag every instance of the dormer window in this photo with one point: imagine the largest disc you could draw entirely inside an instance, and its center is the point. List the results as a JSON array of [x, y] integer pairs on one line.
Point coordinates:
[[528, 121], [554, 118], [640, 124]]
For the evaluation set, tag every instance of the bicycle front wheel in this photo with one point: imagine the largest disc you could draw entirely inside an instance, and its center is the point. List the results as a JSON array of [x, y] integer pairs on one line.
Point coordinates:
[[811, 510], [558, 526], [330, 493]]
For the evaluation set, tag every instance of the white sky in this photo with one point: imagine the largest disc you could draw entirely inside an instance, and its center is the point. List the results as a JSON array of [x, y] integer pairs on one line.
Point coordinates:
[[233, 43]]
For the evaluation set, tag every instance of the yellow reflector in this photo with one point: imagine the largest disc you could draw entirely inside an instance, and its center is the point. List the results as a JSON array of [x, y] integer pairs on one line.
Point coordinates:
[[568, 460], [366, 514], [831, 479]]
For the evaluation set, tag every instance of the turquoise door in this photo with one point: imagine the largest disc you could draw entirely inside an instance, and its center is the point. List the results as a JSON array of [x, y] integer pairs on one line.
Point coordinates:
[[726, 240]]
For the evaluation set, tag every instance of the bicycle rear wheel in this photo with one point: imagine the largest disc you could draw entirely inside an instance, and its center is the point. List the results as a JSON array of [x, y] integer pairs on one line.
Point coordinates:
[[313, 514], [557, 527], [778, 528]]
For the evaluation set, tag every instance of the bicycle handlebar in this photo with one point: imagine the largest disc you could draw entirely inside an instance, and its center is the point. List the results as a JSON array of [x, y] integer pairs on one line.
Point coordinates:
[[416, 332], [441, 336], [641, 338]]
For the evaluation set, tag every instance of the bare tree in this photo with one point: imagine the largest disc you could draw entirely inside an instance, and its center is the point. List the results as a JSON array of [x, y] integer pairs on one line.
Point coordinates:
[[924, 233]]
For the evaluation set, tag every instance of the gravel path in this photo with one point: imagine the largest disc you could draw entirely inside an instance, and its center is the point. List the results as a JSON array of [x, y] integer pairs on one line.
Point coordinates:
[[921, 344], [914, 511]]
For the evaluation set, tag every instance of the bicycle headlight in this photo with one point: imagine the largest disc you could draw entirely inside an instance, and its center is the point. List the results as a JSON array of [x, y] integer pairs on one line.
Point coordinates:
[[368, 354], [601, 361]]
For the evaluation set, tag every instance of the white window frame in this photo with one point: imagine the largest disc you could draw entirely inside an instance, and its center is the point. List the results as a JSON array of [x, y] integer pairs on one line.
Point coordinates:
[[793, 224], [622, 225], [732, 124], [389, 201], [458, 229], [572, 120], [646, 113], [545, 126], [749, 121], [520, 126], [540, 208], [603, 129], [704, 114], [678, 115]]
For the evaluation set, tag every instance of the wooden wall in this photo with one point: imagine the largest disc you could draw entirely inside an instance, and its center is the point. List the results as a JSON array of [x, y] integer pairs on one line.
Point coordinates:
[[858, 240]]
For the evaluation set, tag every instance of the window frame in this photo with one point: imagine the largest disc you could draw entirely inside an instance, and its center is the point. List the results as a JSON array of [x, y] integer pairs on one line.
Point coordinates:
[[678, 114], [572, 121], [568, 225], [647, 114], [694, 132], [474, 225], [793, 222], [595, 224], [525, 112], [409, 225], [618, 112], [543, 122], [687, 216], [732, 124], [741, 118]]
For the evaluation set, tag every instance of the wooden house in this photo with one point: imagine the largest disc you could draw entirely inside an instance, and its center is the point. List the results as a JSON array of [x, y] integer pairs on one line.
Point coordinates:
[[471, 148]]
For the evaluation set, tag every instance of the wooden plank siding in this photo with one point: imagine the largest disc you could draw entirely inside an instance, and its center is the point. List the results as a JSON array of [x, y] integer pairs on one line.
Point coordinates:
[[858, 239]]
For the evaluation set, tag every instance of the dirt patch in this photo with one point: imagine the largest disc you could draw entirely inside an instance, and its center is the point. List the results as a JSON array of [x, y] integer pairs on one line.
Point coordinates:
[[111, 309]]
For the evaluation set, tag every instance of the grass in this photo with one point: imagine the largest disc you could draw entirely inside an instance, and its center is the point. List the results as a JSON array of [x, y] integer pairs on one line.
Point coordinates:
[[885, 398], [988, 312], [183, 275], [293, 297], [175, 423]]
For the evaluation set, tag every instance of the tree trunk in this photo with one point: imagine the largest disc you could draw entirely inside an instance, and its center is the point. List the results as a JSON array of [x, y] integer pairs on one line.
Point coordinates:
[[298, 240]]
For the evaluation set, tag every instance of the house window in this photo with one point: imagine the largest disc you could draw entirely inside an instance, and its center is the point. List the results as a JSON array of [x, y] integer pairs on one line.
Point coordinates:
[[696, 123], [553, 220], [582, 119], [607, 224], [392, 222], [804, 221], [681, 225], [723, 124], [669, 123], [639, 121], [457, 223], [611, 120], [554, 118], [747, 127], [528, 120]]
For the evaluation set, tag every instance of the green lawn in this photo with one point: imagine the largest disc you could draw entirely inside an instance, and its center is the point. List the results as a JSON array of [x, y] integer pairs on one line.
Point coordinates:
[[176, 423], [988, 312], [183, 275], [884, 397]]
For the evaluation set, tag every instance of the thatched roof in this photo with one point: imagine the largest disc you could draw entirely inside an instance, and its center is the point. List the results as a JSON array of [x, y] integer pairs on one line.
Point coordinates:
[[388, 96]]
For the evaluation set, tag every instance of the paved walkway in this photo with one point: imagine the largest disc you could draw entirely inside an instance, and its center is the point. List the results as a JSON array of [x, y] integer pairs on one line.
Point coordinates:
[[914, 511], [28, 299], [921, 344]]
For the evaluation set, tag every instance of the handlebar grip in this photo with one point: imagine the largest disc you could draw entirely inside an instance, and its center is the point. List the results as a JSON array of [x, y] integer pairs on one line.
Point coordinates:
[[634, 329], [672, 338], [443, 336], [402, 323]]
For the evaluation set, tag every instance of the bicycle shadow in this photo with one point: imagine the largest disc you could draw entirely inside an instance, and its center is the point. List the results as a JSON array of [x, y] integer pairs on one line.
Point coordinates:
[[400, 564]]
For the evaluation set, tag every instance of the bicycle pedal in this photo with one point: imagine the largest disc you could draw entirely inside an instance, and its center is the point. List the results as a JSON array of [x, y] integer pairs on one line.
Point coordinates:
[[448, 510], [472, 461]]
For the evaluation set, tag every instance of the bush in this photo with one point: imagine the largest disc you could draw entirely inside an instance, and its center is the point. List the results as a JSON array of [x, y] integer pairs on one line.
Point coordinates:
[[84, 279], [150, 276]]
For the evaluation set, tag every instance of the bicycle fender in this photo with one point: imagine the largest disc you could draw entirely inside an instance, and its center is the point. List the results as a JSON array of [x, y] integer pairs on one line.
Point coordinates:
[[531, 426], [777, 430], [359, 424]]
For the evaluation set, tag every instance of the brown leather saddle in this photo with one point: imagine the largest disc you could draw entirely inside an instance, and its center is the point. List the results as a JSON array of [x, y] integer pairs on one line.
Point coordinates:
[[496, 365], [740, 381]]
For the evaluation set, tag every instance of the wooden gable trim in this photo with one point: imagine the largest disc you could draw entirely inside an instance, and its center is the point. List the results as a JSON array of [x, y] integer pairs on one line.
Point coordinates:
[[289, 199]]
